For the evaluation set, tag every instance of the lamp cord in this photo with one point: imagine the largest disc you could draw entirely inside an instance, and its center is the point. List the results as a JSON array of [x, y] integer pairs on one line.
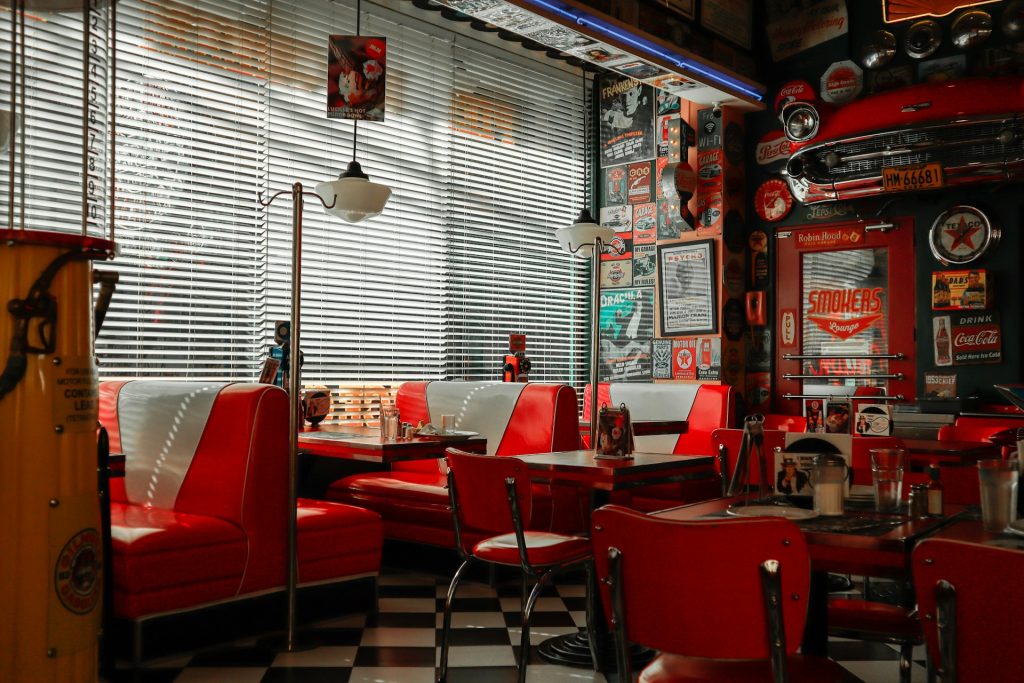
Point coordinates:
[[586, 143], [355, 122]]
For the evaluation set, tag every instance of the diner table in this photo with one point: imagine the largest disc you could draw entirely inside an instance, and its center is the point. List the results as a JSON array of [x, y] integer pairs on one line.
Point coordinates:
[[601, 476], [923, 452], [862, 542], [330, 452]]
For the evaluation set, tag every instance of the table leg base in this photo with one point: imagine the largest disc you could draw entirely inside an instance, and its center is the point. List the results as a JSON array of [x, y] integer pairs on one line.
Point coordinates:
[[573, 649]]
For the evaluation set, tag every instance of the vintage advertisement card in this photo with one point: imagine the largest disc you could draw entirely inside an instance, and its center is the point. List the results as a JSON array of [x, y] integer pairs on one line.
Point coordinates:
[[356, 77]]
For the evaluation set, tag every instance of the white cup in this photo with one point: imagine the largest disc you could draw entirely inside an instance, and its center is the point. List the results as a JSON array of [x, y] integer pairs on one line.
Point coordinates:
[[447, 423]]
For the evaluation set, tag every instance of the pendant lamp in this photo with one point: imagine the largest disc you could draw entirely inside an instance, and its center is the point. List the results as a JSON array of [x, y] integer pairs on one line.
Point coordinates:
[[585, 238], [351, 196]]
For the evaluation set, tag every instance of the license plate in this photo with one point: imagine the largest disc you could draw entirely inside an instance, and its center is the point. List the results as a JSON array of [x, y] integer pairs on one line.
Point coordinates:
[[904, 178]]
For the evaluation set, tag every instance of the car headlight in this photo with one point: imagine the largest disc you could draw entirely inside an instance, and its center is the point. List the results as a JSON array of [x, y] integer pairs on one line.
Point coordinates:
[[800, 121]]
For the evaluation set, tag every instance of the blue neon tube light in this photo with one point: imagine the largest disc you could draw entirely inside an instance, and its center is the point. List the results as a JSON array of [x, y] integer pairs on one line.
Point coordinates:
[[647, 46]]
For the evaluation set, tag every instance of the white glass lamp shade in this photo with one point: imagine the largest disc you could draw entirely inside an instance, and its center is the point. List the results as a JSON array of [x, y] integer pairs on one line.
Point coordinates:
[[579, 237], [355, 198]]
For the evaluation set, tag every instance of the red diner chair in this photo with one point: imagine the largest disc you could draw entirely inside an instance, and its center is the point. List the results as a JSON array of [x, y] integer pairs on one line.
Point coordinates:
[[722, 600], [970, 608], [492, 497], [785, 423]]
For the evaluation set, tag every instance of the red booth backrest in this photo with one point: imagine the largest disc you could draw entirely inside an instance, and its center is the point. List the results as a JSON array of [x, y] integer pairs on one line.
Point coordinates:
[[706, 407], [515, 418], [235, 470]]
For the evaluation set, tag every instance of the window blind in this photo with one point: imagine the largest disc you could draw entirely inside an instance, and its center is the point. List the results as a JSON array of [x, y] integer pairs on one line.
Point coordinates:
[[191, 120], [517, 152], [219, 100]]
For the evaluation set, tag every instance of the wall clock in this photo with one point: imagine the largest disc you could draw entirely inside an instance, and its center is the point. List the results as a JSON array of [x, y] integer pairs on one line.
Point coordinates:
[[961, 234]]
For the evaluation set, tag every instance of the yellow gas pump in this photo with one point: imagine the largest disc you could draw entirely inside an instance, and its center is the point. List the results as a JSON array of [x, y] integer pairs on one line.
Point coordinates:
[[52, 565], [57, 219]]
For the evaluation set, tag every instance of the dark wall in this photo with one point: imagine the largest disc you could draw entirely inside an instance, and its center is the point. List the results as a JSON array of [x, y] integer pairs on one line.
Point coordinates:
[[998, 55]]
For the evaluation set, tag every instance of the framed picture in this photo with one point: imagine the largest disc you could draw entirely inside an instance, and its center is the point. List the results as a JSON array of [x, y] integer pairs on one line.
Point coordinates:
[[731, 19], [683, 7], [686, 289]]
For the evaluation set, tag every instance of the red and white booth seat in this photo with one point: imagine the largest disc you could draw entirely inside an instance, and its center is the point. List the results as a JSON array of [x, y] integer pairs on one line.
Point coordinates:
[[515, 418], [705, 407], [200, 515]]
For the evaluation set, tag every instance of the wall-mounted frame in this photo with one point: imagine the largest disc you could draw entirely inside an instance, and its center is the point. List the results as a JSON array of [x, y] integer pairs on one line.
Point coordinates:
[[686, 288], [686, 8], [731, 19]]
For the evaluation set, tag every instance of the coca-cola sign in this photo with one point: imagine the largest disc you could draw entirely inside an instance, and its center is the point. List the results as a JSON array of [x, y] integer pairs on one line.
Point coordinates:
[[976, 338]]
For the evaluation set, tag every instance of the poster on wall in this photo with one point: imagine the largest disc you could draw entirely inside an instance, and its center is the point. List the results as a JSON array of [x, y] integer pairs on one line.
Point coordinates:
[[795, 30], [627, 120], [627, 329], [902, 10], [686, 277], [731, 19], [356, 77]]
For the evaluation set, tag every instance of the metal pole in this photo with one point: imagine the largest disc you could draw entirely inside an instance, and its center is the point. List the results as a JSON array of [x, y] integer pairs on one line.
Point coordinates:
[[595, 336], [294, 419]]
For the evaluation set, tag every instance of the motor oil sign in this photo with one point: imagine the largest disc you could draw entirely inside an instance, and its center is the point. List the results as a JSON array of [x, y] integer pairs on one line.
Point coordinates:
[[844, 313]]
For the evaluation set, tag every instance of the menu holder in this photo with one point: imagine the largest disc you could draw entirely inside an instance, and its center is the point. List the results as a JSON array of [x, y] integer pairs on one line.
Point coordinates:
[[614, 436]]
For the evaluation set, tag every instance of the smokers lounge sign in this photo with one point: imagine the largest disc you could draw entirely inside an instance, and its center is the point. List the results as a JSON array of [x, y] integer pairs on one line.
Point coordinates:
[[844, 313]]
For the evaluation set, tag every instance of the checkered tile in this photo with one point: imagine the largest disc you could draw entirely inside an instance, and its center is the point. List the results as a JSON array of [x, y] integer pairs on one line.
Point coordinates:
[[401, 643]]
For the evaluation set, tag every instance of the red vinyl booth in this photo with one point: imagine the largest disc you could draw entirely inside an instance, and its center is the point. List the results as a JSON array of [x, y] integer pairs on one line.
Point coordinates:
[[705, 407], [200, 515], [515, 418]]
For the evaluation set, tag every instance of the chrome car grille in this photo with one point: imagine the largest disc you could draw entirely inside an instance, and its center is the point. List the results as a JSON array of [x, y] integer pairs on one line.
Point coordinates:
[[956, 144]]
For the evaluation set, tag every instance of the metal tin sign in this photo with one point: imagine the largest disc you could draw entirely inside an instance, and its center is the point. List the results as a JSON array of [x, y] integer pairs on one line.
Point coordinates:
[[661, 358], [684, 364], [639, 183], [615, 185], [772, 152], [76, 399], [829, 238], [794, 91], [976, 338], [709, 130], [617, 274], [645, 223], [841, 82], [772, 201]]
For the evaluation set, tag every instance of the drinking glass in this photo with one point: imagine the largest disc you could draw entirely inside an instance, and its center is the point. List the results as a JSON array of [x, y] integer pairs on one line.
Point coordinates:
[[447, 423], [998, 481], [887, 477], [389, 423]]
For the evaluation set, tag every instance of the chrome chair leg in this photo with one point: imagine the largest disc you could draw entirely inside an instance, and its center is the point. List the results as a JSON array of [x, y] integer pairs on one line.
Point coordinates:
[[524, 640], [591, 580], [906, 661], [447, 622]]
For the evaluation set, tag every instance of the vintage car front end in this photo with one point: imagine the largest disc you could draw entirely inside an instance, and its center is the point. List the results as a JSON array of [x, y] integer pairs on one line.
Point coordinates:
[[923, 137]]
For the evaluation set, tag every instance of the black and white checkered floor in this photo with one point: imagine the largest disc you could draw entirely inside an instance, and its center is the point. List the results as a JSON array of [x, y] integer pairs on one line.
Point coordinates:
[[401, 643]]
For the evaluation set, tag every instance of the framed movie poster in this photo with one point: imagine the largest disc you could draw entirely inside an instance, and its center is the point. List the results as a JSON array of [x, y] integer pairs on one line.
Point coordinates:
[[686, 289], [627, 120]]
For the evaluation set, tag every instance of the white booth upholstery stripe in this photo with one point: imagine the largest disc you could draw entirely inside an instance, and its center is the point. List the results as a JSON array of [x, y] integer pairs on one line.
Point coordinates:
[[161, 425], [655, 402], [487, 406]]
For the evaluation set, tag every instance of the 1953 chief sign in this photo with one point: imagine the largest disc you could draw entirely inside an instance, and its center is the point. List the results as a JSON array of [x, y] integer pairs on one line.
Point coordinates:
[[923, 137]]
